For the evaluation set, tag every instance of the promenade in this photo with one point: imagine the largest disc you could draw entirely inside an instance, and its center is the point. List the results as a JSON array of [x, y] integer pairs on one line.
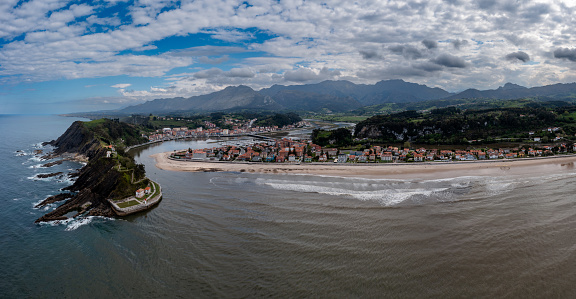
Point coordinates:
[[132, 204]]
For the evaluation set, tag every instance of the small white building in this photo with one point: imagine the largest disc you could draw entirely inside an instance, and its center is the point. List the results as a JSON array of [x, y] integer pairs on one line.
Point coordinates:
[[140, 193]]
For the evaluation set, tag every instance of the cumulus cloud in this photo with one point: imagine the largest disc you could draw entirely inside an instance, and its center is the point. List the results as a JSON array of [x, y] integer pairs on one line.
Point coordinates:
[[306, 74], [207, 51], [213, 72], [428, 66], [448, 60], [218, 60], [430, 44], [268, 43], [518, 56], [565, 53], [408, 51], [239, 73], [369, 54], [457, 43]]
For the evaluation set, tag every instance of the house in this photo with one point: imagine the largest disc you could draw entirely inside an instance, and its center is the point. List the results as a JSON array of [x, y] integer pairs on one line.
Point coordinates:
[[140, 193], [387, 156], [331, 151], [418, 157], [147, 190], [199, 155], [343, 158]]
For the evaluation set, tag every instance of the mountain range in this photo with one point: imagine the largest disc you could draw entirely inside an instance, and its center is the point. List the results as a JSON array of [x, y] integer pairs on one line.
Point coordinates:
[[338, 96]]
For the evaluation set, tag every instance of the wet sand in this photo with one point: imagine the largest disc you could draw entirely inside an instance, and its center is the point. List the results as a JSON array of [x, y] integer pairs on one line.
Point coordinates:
[[423, 170]]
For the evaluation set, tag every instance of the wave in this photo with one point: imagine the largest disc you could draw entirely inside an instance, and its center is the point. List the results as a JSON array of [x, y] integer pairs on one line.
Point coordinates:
[[364, 192], [58, 178], [75, 223]]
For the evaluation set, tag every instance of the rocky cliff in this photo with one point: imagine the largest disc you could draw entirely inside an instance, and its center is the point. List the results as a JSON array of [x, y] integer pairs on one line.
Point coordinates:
[[95, 182]]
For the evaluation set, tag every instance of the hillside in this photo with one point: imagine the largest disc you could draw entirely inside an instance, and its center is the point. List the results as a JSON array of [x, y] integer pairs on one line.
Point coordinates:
[[344, 97], [513, 91], [455, 126], [102, 177], [327, 96]]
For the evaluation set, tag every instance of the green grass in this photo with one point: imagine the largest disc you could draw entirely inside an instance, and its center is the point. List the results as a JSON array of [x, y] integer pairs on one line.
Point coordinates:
[[156, 190], [94, 123], [128, 204]]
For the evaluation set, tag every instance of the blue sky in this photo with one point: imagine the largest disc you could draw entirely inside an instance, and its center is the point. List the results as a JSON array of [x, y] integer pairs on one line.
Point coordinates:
[[59, 56]]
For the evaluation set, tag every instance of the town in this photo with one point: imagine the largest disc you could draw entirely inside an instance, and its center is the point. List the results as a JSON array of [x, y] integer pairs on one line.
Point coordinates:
[[294, 151], [231, 128]]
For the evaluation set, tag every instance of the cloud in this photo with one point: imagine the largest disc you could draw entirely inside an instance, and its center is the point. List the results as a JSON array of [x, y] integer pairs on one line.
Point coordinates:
[[284, 41], [565, 53], [219, 60], [409, 52], [204, 74], [486, 4], [306, 74], [430, 44], [239, 73], [230, 35], [515, 56], [121, 86], [207, 51], [428, 66], [369, 54], [457, 43], [448, 60]]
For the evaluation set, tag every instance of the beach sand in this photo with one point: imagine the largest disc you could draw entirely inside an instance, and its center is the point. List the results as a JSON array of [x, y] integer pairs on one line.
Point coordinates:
[[424, 170]]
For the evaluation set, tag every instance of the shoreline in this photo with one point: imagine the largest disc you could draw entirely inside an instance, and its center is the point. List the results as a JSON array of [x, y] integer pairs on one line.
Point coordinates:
[[419, 170]]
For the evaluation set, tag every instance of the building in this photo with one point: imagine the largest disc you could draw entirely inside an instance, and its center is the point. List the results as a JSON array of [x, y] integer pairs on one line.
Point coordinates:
[[140, 193]]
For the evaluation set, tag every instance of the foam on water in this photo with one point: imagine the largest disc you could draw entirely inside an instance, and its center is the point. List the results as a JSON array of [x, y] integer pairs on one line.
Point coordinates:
[[40, 200], [382, 193], [72, 224]]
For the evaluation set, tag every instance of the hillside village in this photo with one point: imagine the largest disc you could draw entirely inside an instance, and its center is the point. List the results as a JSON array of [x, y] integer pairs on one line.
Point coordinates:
[[210, 129]]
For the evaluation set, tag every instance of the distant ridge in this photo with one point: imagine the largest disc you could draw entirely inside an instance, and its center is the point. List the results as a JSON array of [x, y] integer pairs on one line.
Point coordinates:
[[326, 96], [511, 91], [338, 96]]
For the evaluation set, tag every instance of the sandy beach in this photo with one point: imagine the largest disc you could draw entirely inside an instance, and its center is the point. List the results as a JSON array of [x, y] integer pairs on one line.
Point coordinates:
[[426, 170]]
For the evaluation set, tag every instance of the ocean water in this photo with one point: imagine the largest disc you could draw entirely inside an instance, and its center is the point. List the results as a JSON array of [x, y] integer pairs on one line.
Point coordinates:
[[236, 235]]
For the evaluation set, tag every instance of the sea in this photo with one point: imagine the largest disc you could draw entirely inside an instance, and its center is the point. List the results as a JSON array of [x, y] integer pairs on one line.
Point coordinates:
[[245, 235]]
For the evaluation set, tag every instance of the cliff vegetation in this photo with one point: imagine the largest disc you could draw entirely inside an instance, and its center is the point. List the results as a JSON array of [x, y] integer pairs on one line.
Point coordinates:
[[109, 172]]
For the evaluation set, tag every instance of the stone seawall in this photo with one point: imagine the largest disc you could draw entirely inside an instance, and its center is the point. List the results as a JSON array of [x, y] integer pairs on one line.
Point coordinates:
[[144, 205]]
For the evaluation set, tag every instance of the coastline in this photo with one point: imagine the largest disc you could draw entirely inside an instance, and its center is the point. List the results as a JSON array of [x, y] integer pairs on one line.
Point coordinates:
[[421, 170]]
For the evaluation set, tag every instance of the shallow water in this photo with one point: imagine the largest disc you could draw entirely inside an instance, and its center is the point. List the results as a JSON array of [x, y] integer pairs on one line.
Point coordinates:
[[246, 235]]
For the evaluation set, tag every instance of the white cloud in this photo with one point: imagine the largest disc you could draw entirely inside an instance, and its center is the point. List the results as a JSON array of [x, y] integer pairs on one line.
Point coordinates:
[[363, 41], [121, 85]]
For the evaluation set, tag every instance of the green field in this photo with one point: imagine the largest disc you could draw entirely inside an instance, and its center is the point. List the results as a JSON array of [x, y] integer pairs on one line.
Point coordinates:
[[128, 204]]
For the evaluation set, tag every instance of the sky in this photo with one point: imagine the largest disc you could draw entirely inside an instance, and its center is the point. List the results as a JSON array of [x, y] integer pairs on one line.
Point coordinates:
[[61, 56]]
